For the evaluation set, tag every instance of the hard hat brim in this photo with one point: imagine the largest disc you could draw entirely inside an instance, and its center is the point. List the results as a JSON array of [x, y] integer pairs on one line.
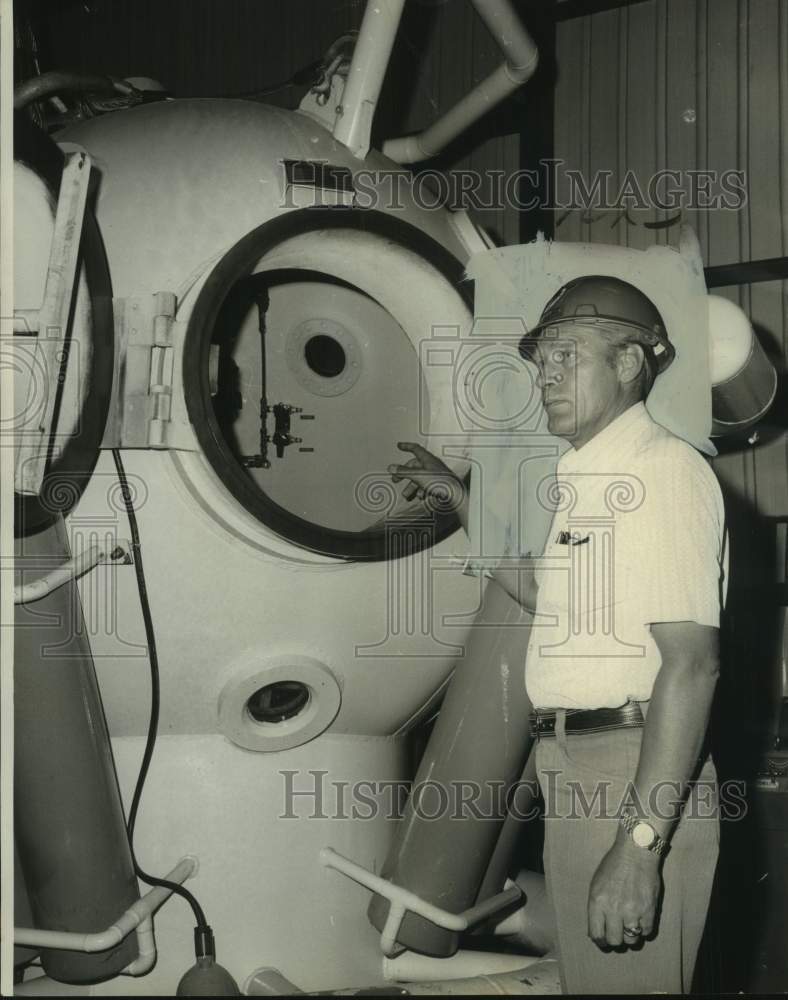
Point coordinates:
[[663, 350]]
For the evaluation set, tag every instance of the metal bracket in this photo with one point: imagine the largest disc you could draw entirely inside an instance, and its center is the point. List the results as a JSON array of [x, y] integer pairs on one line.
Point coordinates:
[[51, 321]]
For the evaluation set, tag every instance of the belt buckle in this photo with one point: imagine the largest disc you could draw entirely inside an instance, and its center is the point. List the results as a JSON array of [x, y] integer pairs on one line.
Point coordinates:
[[542, 725]]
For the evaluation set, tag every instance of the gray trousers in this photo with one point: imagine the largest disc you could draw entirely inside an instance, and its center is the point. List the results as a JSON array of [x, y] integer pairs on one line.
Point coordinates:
[[583, 778]]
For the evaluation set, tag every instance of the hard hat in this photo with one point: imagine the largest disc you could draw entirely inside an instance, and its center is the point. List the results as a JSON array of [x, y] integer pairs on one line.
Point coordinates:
[[610, 303]]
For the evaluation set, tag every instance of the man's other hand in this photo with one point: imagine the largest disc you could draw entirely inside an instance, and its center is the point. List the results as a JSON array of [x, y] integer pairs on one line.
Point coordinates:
[[427, 474], [625, 892]]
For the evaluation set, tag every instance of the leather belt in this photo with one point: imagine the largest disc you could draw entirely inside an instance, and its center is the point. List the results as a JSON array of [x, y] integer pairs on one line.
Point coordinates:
[[597, 720]]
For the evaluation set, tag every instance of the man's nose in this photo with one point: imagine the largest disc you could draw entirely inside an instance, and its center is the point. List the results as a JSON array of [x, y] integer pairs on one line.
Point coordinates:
[[549, 376]]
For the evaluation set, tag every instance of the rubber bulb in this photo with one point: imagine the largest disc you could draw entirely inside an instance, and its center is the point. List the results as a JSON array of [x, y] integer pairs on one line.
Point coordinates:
[[207, 979]]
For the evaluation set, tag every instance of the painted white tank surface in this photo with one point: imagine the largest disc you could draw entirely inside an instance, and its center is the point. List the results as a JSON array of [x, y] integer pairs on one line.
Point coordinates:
[[222, 608], [260, 882], [181, 183], [182, 180], [226, 593]]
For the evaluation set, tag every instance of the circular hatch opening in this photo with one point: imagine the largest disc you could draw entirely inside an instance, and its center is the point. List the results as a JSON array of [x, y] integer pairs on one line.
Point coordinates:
[[300, 383]]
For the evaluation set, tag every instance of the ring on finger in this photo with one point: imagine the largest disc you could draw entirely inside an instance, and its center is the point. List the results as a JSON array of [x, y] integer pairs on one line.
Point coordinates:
[[633, 932]]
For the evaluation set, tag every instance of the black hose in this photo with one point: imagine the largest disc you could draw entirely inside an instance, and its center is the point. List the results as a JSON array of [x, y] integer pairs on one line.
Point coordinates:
[[203, 930], [58, 81]]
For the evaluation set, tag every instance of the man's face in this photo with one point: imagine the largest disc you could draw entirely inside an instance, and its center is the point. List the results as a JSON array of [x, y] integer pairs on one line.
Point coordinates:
[[580, 386]]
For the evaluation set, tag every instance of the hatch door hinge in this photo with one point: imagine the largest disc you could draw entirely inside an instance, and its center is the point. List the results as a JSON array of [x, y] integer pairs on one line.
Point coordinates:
[[147, 380]]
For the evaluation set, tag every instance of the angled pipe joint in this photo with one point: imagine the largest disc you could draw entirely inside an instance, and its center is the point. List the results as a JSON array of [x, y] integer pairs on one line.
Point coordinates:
[[517, 47], [137, 916], [521, 57], [401, 901]]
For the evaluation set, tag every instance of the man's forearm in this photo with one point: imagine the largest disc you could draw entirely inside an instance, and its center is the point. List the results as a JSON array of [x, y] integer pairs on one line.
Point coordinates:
[[517, 577], [673, 737], [518, 581]]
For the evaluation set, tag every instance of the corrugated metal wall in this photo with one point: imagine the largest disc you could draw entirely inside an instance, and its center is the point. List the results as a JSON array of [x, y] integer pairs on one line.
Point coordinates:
[[197, 48], [689, 85]]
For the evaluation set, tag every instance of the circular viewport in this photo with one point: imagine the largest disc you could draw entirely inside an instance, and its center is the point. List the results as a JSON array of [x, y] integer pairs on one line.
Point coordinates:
[[278, 702], [325, 356], [300, 384]]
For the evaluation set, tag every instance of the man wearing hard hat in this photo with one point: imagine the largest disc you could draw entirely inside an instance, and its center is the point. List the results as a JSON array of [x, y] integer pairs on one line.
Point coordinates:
[[622, 660]]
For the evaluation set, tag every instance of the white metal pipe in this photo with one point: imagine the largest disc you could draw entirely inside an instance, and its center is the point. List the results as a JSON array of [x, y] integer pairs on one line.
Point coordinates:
[[403, 899], [540, 978], [395, 893], [365, 78], [511, 924], [75, 567], [503, 23], [483, 97], [521, 58], [481, 911], [410, 967], [115, 933], [146, 950], [388, 936]]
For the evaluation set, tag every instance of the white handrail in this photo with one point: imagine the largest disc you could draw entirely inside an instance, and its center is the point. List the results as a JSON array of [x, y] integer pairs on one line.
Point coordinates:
[[135, 917], [146, 950], [403, 900], [96, 553]]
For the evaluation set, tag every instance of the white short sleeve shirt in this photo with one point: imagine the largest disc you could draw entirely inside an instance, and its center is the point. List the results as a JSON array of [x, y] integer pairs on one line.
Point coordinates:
[[637, 537]]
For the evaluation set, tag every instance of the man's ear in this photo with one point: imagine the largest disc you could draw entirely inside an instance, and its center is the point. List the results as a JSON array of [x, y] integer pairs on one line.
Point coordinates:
[[629, 363]]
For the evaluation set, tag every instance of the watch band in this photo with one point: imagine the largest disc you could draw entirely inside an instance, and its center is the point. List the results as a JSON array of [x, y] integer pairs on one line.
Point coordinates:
[[629, 820]]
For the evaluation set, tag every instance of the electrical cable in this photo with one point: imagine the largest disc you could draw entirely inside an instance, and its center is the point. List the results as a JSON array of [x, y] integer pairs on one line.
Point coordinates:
[[309, 74], [299, 79], [203, 932]]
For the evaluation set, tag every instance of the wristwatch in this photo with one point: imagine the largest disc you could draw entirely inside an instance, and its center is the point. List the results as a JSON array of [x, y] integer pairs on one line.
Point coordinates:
[[643, 834]]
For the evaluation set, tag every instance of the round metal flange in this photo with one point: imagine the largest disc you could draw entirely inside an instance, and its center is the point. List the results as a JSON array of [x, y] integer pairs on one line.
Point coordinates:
[[317, 714], [314, 382]]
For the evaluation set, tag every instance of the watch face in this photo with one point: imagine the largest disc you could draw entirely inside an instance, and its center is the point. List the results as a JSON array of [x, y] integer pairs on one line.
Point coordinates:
[[643, 834]]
